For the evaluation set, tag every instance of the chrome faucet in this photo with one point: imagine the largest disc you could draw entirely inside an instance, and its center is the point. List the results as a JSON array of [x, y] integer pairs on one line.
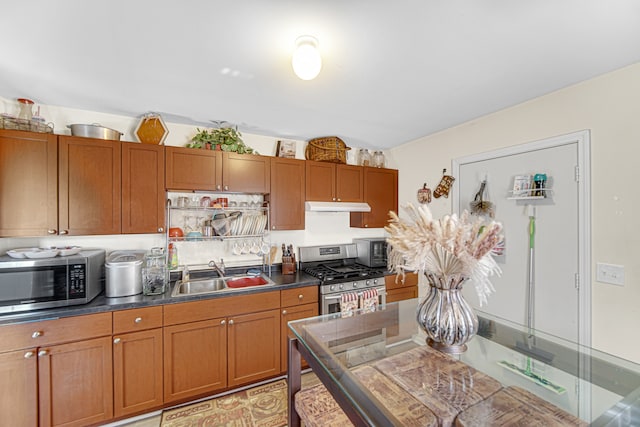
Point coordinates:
[[218, 267]]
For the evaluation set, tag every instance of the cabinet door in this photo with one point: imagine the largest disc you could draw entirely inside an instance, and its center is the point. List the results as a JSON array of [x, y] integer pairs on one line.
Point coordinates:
[[75, 383], [195, 359], [287, 194], [288, 314], [137, 372], [89, 186], [320, 182], [349, 183], [143, 194], [191, 169], [254, 347], [246, 173], [19, 388], [381, 192], [28, 184]]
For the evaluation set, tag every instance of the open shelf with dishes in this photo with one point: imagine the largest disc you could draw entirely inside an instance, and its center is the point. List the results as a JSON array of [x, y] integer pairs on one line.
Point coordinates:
[[234, 227]]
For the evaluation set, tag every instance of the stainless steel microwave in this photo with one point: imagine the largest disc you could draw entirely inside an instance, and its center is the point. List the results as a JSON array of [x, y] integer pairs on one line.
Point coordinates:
[[29, 284], [372, 251]]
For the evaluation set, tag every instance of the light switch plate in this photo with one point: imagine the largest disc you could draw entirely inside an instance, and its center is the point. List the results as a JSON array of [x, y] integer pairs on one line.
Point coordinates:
[[610, 273]]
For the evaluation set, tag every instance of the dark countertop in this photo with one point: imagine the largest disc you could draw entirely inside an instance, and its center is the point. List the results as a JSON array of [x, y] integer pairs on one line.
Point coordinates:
[[103, 304]]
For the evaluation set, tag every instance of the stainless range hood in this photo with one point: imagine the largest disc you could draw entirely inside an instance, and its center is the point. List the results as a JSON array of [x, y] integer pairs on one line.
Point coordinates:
[[337, 207]]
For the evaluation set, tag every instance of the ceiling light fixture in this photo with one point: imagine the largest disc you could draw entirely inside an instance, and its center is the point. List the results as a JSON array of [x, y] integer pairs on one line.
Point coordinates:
[[306, 60]]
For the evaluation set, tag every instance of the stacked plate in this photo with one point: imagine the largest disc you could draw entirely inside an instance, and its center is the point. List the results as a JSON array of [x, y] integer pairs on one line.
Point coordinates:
[[249, 224], [35, 253]]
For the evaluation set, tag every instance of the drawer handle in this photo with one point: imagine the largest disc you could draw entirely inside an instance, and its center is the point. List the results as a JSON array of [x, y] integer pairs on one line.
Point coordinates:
[[138, 319], [116, 341], [36, 334], [223, 322], [43, 353], [284, 312], [300, 297], [231, 322], [28, 354]]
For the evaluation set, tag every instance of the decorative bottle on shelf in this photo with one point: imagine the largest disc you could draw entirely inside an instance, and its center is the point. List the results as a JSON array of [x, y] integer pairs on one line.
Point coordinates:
[[378, 159], [173, 256]]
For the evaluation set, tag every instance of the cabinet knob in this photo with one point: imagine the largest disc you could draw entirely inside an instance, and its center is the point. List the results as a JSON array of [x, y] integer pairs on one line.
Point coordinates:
[[231, 322], [64, 232], [28, 355], [333, 199], [284, 312], [226, 188], [160, 229], [339, 199], [300, 297], [138, 319], [116, 341], [52, 231], [42, 353], [223, 322], [273, 227], [218, 187], [36, 334], [366, 225]]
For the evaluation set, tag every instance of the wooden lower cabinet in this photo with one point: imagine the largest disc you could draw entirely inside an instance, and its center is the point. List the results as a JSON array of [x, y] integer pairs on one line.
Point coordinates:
[[253, 347], [289, 314], [19, 388], [401, 289], [195, 359], [75, 383], [137, 372]]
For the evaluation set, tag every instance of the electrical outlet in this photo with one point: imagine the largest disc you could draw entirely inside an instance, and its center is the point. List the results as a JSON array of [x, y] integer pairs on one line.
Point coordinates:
[[610, 273]]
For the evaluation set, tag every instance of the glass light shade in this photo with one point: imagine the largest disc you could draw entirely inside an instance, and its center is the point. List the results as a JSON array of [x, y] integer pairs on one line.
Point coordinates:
[[306, 60]]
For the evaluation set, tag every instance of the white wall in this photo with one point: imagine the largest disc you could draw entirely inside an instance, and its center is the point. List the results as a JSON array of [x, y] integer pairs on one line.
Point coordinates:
[[321, 227], [609, 106]]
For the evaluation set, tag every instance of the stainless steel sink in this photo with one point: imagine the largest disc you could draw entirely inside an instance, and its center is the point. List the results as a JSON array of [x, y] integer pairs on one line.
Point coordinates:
[[219, 284]]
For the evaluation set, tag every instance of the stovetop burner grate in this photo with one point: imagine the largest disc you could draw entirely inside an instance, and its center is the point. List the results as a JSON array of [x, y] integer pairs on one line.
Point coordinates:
[[339, 271]]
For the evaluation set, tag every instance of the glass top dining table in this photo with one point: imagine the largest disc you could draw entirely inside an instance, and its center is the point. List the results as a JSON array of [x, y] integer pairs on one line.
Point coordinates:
[[505, 363]]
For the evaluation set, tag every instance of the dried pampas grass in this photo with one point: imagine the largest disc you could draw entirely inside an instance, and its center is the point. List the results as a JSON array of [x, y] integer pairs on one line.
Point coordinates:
[[451, 246]]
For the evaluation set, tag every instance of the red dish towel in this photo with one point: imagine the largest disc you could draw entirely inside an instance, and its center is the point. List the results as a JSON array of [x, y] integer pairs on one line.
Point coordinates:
[[369, 300], [348, 304]]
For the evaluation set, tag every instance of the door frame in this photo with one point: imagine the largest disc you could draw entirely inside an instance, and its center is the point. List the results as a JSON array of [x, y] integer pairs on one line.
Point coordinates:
[[583, 176]]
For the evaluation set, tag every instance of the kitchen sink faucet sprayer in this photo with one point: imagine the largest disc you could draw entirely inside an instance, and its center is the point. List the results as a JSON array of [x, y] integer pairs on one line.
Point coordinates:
[[218, 267]]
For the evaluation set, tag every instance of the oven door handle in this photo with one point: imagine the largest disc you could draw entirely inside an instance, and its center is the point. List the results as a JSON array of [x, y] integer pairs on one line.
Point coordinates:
[[339, 296]]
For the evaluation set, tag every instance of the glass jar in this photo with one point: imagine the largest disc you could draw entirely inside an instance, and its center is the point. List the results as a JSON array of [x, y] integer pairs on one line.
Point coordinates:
[[26, 109], [364, 158], [154, 272], [378, 159]]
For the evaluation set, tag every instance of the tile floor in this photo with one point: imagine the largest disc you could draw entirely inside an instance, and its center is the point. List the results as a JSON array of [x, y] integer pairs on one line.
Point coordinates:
[[153, 419]]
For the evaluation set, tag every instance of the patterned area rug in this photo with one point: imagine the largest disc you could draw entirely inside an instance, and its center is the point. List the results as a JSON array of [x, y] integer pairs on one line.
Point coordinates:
[[262, 406]]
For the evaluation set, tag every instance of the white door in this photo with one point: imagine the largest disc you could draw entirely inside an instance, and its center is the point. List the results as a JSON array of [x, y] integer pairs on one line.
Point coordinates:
[[561, 307]]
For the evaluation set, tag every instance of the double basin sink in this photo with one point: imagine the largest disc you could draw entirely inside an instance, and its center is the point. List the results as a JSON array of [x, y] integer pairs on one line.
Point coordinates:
[[210, 285]]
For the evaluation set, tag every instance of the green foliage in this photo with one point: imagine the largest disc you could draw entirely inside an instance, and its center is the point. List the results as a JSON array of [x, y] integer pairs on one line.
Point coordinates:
[[227, 139]]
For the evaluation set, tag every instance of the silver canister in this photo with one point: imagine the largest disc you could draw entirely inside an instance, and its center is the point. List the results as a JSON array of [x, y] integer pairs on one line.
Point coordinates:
[[123, 273]]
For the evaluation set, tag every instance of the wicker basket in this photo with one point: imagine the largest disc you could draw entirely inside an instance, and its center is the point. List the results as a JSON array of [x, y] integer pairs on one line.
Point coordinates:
[[327, 149]]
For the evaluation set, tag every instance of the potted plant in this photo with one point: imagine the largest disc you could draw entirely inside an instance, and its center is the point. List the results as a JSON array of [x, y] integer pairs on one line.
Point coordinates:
[[224, 139]]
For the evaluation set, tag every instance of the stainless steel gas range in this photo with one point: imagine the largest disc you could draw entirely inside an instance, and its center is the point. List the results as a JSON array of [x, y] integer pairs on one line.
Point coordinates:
[[339, 274]]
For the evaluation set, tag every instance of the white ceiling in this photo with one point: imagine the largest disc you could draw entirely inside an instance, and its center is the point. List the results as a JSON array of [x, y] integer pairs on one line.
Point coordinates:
[[393, 70]]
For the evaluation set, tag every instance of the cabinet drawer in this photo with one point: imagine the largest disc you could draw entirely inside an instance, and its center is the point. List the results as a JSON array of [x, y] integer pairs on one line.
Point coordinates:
[[137, 319], [290, 297], [48, 332], [410, 279]]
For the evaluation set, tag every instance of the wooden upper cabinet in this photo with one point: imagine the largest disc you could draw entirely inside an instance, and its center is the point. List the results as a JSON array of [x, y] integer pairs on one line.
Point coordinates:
[[247, 173], [381, 192], [287, 194], [330, 182], [189, 169], [28, 183], [143, 194], [349, 183], [89, 186]]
